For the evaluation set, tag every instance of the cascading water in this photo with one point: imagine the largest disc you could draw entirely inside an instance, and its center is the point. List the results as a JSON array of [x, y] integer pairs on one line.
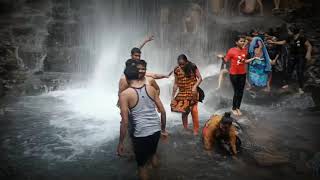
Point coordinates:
[[90, 116], [73, 132], [115, 27]]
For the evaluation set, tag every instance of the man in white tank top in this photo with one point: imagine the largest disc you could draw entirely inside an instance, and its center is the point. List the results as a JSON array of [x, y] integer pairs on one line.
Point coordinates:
[[141, 101]]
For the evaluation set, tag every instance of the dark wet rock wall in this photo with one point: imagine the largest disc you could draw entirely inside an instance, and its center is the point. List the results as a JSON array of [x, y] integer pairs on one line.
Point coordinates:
[[49, 36]]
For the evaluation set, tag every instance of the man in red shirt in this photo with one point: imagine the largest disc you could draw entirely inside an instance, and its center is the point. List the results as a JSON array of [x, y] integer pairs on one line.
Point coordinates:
[[238, 59]]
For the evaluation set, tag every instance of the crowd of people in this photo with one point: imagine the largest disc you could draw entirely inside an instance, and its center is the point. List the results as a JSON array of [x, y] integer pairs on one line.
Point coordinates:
[[259, 56], [254, 60]]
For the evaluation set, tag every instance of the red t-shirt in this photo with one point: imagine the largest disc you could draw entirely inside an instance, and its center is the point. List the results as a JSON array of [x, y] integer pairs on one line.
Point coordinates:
[[237, 57]]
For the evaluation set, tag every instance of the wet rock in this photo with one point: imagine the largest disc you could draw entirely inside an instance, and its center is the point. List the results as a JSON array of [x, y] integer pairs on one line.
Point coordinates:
[[315, 93], [22, 31], [6, 7], [270, 159], [1, 88], [301, 165], [31, 58], [314, 164]]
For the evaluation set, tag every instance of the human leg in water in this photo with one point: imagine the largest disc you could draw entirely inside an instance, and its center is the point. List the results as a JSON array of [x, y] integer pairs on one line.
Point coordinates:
[[195, 119], [297, 63], [185, 119], [268, 88], [300, 72], [143, 173], [155, 161]]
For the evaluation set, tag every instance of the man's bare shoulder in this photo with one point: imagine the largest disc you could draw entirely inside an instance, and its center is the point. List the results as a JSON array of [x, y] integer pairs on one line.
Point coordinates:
[[151, 89], [122, 77], [127, 92], [150, 79]]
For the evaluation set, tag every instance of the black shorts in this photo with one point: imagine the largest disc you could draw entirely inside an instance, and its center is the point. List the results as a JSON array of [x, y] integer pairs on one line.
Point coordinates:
[[145, 147]]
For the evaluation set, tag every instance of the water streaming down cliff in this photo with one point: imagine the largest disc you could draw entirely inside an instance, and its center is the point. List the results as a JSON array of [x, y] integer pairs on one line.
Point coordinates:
[[75, 129]]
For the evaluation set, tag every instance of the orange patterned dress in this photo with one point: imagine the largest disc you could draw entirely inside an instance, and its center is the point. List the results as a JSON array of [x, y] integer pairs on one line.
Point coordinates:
[[184, 99]]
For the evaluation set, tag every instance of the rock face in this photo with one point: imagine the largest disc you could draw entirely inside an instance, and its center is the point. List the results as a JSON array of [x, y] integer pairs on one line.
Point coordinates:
[[38, 36], [22, 42], [50, 36], [66, 53]]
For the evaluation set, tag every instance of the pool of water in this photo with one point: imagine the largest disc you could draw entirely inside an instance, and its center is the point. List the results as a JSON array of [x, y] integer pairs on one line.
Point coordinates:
[[74, 134]]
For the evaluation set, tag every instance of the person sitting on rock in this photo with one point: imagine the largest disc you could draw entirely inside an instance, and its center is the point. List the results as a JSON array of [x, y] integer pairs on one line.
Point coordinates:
[[218, 130]]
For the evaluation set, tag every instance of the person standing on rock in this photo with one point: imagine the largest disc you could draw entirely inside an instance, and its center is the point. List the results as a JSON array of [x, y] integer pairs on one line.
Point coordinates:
[[238, 59], [187, 80], [141, 100], [300, 53]]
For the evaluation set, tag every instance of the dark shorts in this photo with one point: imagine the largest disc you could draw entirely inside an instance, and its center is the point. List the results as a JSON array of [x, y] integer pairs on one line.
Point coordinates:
[[145, 147]]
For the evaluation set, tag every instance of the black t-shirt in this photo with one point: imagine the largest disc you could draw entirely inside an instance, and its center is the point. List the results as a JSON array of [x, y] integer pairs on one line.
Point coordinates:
[[297, 46], [284, 36], [273, 51]]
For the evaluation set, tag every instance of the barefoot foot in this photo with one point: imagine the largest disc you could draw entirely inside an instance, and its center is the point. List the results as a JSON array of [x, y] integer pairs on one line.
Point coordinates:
[[239, 112], [235, 112]]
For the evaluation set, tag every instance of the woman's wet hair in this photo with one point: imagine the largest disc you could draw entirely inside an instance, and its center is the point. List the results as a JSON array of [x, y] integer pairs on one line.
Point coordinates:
[[182, 57], [188, 67], [227, 119], [131, 71], [135, 50]]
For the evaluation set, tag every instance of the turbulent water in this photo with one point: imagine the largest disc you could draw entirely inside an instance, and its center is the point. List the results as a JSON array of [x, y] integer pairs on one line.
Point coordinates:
[[73, 133]]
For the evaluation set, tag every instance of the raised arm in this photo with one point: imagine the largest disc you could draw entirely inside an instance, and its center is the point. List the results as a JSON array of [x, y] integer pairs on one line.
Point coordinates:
[[124, 106], [150, 38]]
